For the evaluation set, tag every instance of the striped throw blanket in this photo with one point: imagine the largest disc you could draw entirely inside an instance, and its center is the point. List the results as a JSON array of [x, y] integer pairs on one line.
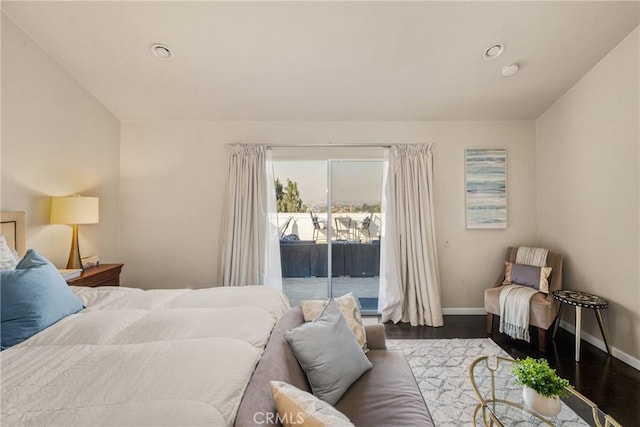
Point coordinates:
[[515, 300], [532, 256], [514, 310]]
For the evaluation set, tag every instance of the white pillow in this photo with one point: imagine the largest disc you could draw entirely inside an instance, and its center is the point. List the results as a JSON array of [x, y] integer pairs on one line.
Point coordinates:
[[298, 408], [348, 303], [8, 257]]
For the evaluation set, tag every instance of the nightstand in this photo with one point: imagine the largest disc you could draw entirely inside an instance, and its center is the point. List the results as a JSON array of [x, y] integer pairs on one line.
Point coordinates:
[[101, 275]]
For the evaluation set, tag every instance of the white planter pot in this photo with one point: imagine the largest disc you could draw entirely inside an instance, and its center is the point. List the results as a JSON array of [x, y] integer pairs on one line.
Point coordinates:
[[546, 406]]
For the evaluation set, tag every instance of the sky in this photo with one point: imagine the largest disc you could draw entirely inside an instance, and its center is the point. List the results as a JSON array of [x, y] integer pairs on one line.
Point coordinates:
[[353, 181]]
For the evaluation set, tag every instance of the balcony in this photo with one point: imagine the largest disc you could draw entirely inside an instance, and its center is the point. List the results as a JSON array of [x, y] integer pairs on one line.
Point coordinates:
[[355, 257]]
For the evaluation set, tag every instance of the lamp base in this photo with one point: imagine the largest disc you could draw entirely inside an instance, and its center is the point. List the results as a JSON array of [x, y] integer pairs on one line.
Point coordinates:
[[74, 261]]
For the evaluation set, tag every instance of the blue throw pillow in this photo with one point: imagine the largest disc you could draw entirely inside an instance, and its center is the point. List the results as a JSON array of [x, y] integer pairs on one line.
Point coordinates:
[[33, 297]]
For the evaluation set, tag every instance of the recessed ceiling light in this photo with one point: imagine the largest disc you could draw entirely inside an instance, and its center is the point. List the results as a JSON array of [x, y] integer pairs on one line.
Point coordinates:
[[510, 70], [162, 51], [492, 52]]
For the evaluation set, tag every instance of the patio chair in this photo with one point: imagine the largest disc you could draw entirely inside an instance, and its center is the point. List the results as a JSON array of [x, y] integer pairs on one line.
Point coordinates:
[[362, 227], [343, 227], [318, 226], [283, 229], [543, 308]]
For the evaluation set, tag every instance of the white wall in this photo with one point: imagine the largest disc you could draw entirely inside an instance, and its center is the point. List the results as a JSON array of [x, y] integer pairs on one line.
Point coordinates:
[[588, 190], [173, 177], [57, 140]]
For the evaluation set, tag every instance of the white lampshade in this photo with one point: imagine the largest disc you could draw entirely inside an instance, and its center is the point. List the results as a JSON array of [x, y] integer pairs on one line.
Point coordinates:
[[75, 210]]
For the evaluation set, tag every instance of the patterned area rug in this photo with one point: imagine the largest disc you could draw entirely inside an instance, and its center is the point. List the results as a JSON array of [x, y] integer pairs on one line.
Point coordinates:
[[441, 369]]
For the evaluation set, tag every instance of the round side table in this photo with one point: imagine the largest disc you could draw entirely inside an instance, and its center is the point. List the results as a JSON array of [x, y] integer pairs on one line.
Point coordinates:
[[581, 299]]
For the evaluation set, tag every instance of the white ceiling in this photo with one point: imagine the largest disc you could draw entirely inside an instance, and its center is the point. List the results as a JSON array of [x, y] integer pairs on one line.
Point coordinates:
[[325, 60]]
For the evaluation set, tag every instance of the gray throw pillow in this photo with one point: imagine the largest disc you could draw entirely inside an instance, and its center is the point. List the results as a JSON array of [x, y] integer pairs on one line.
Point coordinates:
[[329, 354], [527, 275]]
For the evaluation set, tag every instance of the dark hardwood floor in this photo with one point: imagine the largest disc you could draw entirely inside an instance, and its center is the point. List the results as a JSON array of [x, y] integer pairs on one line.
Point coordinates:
[[610, 383]]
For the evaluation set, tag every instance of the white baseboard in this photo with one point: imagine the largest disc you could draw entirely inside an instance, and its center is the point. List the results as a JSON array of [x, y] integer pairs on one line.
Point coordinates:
[[464, 311], [454, 311], [598, 342]]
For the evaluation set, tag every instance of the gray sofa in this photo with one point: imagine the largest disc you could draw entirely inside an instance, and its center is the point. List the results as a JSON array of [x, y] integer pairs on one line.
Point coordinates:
[[386, 395]]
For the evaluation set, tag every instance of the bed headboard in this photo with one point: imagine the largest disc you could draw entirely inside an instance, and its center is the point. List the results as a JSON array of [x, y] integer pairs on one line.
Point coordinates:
[[13, 230]]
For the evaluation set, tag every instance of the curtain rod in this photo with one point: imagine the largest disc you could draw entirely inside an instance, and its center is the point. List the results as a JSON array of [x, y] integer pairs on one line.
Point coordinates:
[[328, 145], [369, 145]]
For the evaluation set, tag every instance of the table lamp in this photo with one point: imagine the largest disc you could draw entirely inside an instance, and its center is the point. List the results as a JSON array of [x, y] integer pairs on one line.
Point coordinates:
[[73, 211]]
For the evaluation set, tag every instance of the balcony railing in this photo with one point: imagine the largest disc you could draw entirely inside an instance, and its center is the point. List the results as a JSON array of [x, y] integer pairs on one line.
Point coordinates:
[[344, 226]]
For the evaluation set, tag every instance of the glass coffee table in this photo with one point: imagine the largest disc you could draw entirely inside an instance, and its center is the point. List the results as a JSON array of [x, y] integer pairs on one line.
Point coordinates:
[[501, 404]]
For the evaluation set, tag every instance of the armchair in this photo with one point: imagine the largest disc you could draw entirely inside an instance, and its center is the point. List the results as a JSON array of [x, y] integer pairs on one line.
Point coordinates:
[[543, 308]]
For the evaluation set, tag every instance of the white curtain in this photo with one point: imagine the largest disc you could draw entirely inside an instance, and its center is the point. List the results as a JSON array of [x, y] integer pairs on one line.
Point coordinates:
[[409, 279], [272, 266], [250, 220]]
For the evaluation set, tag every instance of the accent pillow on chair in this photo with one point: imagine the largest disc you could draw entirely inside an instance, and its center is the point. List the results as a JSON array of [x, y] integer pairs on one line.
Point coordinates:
[[329, 354], [527, 275], [33, 297]]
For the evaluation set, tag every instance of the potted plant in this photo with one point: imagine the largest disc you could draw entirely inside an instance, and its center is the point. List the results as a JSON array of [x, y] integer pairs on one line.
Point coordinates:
[[542, 386]]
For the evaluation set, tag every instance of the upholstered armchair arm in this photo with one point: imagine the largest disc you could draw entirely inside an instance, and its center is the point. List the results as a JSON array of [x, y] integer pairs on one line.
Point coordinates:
[[554, 260]]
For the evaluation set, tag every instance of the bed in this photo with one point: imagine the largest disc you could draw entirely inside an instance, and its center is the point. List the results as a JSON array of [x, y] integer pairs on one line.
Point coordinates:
[[134, 357]]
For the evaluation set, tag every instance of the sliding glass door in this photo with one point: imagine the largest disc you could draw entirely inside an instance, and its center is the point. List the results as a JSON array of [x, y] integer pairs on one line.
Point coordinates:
[[355, 200], [329, 219]]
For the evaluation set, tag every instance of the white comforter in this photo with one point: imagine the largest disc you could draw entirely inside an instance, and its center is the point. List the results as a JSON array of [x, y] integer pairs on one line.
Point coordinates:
[[141, 358]]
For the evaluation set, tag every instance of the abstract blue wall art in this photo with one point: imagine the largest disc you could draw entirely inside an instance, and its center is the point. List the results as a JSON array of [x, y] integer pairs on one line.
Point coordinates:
[[486, 188]]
